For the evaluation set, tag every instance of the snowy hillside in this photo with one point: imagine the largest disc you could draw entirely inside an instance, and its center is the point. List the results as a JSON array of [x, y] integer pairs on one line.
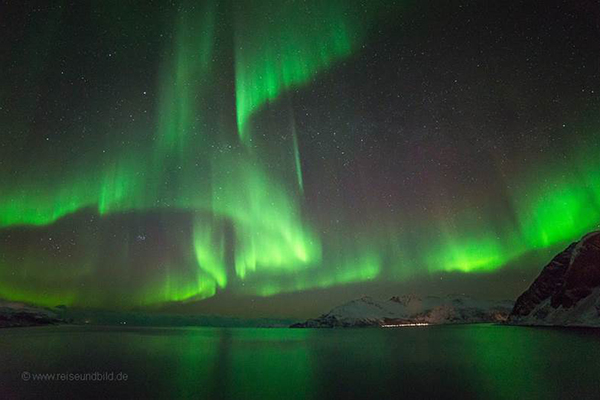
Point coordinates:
[[406, 310], [15, 314]]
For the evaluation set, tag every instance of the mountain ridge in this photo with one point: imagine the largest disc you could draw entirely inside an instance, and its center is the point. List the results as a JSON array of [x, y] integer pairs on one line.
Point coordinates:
[[411, 310]]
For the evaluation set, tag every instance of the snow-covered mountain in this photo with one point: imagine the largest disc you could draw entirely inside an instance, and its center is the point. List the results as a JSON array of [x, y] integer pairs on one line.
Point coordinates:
[[400, 310], [567, 291], [15, 314]]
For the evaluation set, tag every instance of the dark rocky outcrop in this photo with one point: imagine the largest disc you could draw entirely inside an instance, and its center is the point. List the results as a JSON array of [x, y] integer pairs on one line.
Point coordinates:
[[567, 291]]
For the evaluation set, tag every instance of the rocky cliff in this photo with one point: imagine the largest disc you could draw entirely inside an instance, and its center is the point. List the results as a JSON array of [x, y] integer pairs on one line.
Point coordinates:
[[567, 291]]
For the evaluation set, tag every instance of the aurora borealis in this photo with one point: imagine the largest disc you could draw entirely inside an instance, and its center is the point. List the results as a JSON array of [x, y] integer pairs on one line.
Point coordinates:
[[174, 153]]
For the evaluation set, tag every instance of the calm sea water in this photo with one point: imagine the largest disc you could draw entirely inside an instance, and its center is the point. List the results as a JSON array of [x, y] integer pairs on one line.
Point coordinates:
[[469, 361]]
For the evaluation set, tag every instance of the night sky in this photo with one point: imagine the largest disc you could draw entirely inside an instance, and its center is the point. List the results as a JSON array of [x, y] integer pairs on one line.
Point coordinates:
[[279, 157]]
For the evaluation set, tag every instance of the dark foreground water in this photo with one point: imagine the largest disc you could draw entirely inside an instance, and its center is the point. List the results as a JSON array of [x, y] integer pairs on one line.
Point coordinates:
[[469, 361]]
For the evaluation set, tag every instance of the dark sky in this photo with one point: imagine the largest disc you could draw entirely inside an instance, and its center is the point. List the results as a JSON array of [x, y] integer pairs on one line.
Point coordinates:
[[281, 157]]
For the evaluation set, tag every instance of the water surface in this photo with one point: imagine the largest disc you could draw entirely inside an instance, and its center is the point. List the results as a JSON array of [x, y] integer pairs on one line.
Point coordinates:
[[466, 361]]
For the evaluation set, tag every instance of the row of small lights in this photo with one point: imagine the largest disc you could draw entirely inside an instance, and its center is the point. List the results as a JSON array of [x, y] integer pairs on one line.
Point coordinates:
[[402, 325]]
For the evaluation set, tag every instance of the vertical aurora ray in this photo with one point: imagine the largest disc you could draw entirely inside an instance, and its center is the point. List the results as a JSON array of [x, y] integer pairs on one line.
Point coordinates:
[[265, 216], [181, 141], [114, 185], [297, 163], [183, 84], [354, 259], [132, 177], [362, 266], [474, 253], [549, 212], [470, 242], [566, 203], [563, 212], [268, 227], [280, 45], [209, 247], [238, 197]]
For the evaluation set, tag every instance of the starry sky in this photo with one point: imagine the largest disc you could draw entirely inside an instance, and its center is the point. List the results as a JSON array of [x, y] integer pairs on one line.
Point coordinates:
[[279, 157]]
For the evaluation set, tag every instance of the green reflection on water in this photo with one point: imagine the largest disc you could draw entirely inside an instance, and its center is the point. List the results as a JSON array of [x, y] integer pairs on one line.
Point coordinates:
[[461, 361]]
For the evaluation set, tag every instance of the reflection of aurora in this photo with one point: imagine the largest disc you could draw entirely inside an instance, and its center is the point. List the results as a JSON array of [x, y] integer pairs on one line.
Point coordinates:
[[251, 229]]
